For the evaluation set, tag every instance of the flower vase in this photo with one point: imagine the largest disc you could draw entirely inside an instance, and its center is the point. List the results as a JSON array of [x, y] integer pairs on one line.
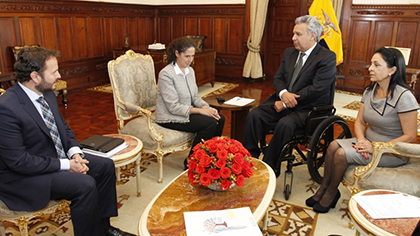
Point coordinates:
[[218, 187]]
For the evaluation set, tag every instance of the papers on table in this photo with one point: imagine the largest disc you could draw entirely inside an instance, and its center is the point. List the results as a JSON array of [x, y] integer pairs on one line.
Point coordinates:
[[239, 101], [386, 206], [109, 154], [229, 222]]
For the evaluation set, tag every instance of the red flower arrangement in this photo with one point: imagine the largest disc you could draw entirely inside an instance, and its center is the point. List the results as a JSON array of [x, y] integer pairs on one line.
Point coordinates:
[[220, 160]]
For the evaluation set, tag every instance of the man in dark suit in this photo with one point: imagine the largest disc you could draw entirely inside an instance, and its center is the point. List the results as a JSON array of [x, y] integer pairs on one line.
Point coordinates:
[[297, 91], [40, 159]]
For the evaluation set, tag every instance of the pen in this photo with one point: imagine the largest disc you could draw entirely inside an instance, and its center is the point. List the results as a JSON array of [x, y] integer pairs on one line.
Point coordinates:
[[239, 98]]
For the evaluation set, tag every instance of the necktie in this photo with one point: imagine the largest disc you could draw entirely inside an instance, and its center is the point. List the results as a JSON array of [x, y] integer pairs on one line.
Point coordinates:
[[50, 122], [296, 70]]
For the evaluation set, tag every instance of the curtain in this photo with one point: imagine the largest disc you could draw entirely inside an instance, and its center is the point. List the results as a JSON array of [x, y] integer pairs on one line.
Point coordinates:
[[258, 14], [337, 5]]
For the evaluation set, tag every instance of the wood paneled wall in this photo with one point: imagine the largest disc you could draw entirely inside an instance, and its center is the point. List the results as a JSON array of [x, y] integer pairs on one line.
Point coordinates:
[[86, 33], [371, 27]]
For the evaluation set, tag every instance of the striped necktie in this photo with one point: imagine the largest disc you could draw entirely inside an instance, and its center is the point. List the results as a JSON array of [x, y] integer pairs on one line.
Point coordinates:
[[50, 122]]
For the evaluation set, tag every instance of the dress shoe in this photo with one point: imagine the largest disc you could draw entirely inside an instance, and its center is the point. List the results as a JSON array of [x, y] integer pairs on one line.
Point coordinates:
[[321, 209], [310, 202], [112, 231]]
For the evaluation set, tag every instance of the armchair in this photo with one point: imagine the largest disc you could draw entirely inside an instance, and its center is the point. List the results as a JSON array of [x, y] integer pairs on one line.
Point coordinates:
[[134, 88], [22, 218], [405, 178]]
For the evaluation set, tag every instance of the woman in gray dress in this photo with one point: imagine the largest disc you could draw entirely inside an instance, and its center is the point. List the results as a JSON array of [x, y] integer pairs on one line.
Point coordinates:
[[390, 109]]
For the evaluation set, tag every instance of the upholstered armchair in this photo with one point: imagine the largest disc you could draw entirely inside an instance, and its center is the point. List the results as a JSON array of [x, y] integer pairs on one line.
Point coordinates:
[[21, 218], [405, 178], [133, 83]]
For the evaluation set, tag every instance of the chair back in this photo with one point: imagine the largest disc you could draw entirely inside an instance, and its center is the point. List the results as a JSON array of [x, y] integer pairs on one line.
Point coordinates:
[[132, 77]]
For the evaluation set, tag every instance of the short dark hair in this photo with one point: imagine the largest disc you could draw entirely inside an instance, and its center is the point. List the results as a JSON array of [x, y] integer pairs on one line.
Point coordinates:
[[180, 45], [31, 59]]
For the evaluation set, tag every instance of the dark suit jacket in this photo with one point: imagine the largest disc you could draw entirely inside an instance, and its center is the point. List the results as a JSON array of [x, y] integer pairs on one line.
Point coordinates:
[[27, 152], [314, 80]]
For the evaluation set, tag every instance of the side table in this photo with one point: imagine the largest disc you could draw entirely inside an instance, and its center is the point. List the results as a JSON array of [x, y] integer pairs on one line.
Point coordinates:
[[129, 155], [238, 116], [366, 225]]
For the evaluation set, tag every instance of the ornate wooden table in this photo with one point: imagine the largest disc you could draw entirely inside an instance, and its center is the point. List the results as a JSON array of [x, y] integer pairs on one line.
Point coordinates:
[[164, 215], [129, 155], [366, 225], [238, 116]]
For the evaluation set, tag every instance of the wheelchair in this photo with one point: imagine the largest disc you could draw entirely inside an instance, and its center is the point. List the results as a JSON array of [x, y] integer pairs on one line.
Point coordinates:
[[322, 127]]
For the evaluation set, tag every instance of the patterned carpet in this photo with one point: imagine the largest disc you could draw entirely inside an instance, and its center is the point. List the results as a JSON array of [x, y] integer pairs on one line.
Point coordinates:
[[285, 217]]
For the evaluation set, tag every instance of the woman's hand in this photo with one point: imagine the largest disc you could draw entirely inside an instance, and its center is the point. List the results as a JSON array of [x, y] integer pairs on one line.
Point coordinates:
[[210, 111], [364, 147]]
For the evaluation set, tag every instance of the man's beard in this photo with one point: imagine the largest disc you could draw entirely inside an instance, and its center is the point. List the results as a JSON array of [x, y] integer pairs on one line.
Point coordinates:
[[44, 86]]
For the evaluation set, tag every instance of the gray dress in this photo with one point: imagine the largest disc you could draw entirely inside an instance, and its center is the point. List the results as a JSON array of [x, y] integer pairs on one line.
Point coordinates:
[[384, 124]]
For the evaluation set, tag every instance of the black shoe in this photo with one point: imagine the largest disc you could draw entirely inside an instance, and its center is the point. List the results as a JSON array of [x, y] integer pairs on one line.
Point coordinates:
[[310, 202], [321, 209], [112, 231]]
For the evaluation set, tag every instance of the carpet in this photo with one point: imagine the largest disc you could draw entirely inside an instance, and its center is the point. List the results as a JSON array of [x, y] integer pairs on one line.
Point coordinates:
[[204, 90], [286, 217]]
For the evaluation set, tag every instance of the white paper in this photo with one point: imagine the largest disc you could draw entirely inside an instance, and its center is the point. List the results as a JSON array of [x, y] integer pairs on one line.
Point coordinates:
[[239, 101], [229, 222], [387, 206], [109, 154]]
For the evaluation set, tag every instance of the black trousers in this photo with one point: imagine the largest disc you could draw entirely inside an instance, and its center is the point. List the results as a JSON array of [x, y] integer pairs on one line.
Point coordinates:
[[205, 127], [264, 118], [93, 196]]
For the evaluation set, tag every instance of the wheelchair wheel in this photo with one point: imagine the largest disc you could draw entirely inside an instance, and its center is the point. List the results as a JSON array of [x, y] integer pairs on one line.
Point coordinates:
[[333, 127], [287, 191]]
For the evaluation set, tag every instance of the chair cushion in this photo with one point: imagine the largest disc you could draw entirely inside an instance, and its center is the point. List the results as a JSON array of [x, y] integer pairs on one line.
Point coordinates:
[[138, 127], [405, 178], [6, 213]]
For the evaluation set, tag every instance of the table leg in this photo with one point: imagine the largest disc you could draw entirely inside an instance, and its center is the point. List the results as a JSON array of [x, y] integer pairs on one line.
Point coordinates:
[[117, 169], [138, 175], [265, 221], [238, 124]]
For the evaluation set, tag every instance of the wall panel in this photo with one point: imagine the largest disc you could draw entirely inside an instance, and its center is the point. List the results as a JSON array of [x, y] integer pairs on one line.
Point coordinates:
[[49, 34], [7, 39], [81, 42], [95, 37], [66, 40], [87, 33], [29, 30], [374, 26]]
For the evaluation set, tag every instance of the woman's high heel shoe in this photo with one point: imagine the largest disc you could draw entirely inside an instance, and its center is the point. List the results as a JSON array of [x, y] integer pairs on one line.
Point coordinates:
[[321, 209], [310, 202]]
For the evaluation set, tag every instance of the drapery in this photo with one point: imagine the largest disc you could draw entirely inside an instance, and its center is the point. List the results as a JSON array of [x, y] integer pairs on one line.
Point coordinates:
[[253, 66], [337, 5]]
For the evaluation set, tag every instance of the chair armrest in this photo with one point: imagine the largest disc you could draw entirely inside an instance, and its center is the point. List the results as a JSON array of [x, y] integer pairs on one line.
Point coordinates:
[[379, 148], [136, 110]]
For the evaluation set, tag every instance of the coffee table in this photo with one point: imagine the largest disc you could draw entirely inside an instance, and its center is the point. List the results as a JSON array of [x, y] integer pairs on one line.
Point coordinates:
[[238, 116], [164, 214], [366, 225], [129, 155]]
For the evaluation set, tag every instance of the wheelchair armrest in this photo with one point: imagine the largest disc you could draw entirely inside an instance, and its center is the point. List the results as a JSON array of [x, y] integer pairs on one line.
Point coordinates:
[[324, 108]]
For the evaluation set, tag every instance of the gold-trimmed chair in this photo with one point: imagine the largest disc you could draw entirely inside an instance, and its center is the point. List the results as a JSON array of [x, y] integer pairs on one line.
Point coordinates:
[[405, 178], [132, 77], [21, 218]]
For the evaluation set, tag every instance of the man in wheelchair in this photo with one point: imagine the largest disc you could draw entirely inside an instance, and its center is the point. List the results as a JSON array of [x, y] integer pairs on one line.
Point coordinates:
[[303, 81]]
